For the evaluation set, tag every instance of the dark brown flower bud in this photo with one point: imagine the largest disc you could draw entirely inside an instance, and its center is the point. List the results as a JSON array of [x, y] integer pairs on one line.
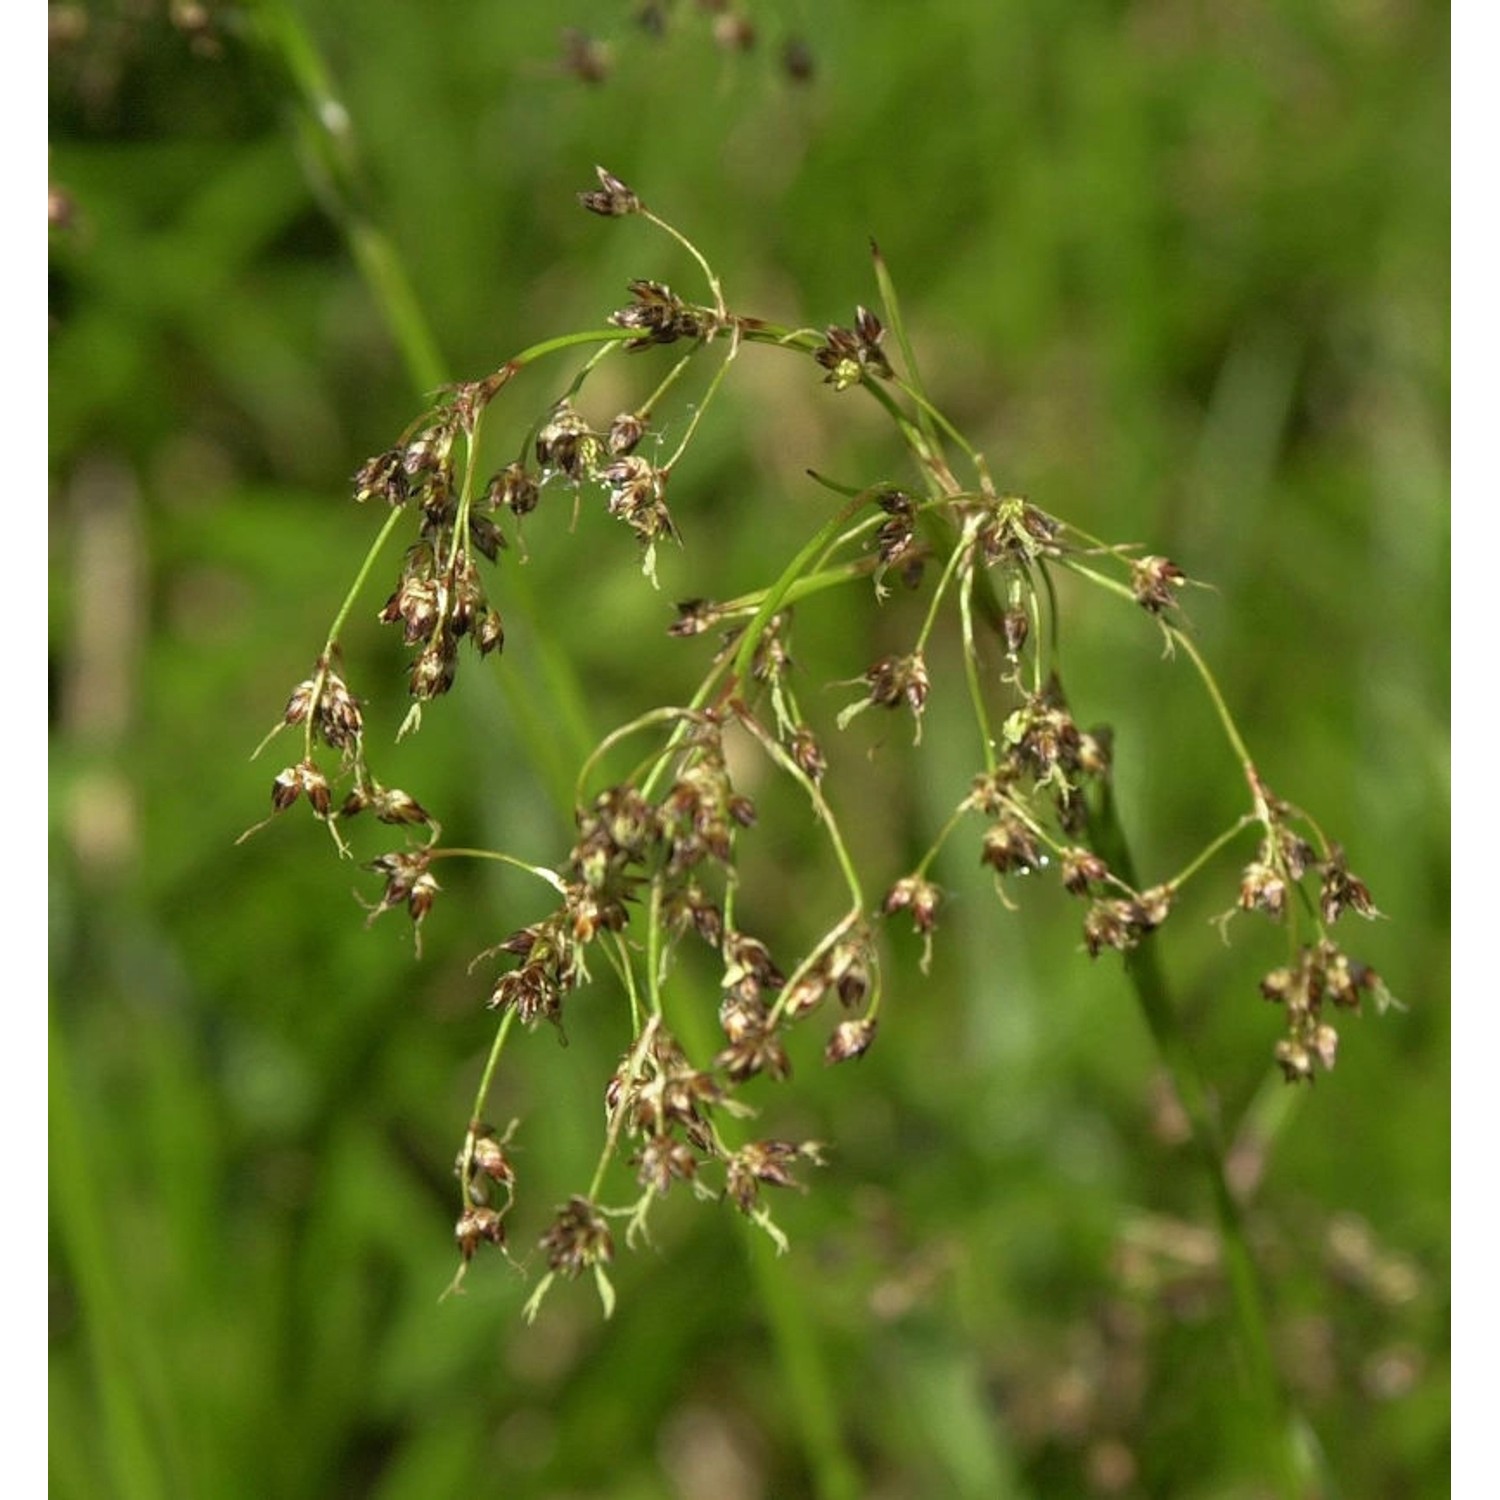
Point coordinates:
[[918, 896], [850, 1039], [1262, 889], [382, 477], [286, 788], [1277, 985], [294, 781], [1111, 924], [805, 995], [478, 1226], [662, 1161], [895, 680], [390, 804], [694, 616], [1297, 855], [565, 443], [423, 892], [1016, 623], [1342, 891], [300, 703], [579, 1238], [807, 753], [1082, 868], [339, 719], [487, 536], [767, 1162], [432, 673], [490, 634], [514, 488], [1010, 845], [1295, 1060], [612, 198], [1153, 582], [625, 432]]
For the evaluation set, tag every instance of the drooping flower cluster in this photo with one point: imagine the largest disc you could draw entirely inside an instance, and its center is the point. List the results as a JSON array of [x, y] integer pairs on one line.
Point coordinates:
[[655, 867]]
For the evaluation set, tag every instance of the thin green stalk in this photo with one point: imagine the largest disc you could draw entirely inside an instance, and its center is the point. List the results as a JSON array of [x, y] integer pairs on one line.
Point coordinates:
[[1251, 1326], [777, 594], [1180, 638]]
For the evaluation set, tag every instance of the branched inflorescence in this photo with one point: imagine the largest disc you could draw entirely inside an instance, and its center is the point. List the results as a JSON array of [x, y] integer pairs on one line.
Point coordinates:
[[654, 863]]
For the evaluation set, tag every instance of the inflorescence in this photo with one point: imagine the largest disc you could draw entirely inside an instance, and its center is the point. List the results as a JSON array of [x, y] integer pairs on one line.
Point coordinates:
[[654, 861]]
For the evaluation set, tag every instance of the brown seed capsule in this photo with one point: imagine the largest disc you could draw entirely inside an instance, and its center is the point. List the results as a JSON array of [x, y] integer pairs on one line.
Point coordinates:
[[304, 777], [1010, 845], [1341, 891], [299, 703], [625, 432], [612, 199], [487, 536], [1262, 889], [1295, 1060], [1153, 582], [513, 488], [382, 477], [918, 896], [850, 1039], [432, 673], [1082, 868], [807, 753], [1017, 626], [579, 1238], [478, 1226], [490, 635], [286, 788]]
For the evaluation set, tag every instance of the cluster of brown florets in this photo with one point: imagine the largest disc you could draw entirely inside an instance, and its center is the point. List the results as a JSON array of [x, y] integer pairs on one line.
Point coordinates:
[[1320, 971], [655, 859], [852, 354]]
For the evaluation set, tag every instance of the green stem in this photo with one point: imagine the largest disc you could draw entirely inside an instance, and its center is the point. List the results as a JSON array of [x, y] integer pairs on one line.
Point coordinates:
[[1178, 637], [778, 592], [1248, 1311]]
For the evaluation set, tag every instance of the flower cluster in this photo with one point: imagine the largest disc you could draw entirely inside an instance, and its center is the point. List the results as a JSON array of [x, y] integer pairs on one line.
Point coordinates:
[[656, 861]]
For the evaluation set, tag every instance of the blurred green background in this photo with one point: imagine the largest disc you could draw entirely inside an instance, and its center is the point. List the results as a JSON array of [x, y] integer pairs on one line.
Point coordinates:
[[1181, 270]]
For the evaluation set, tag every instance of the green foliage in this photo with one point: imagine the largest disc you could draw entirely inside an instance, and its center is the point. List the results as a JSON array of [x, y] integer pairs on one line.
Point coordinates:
[[1182, 276]]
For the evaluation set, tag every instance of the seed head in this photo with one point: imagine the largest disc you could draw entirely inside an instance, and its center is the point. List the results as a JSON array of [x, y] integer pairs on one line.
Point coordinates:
[[1262, 889], [625, 432], [807, 753], [1153, 582], [1010, 845], [294, 781], [1082, 868], [579, 1238], [918, 896], [514, 488], [1342, 891], [612, 198], [850, 1039], [382, 477], [769, 1162], [479, 1225]]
